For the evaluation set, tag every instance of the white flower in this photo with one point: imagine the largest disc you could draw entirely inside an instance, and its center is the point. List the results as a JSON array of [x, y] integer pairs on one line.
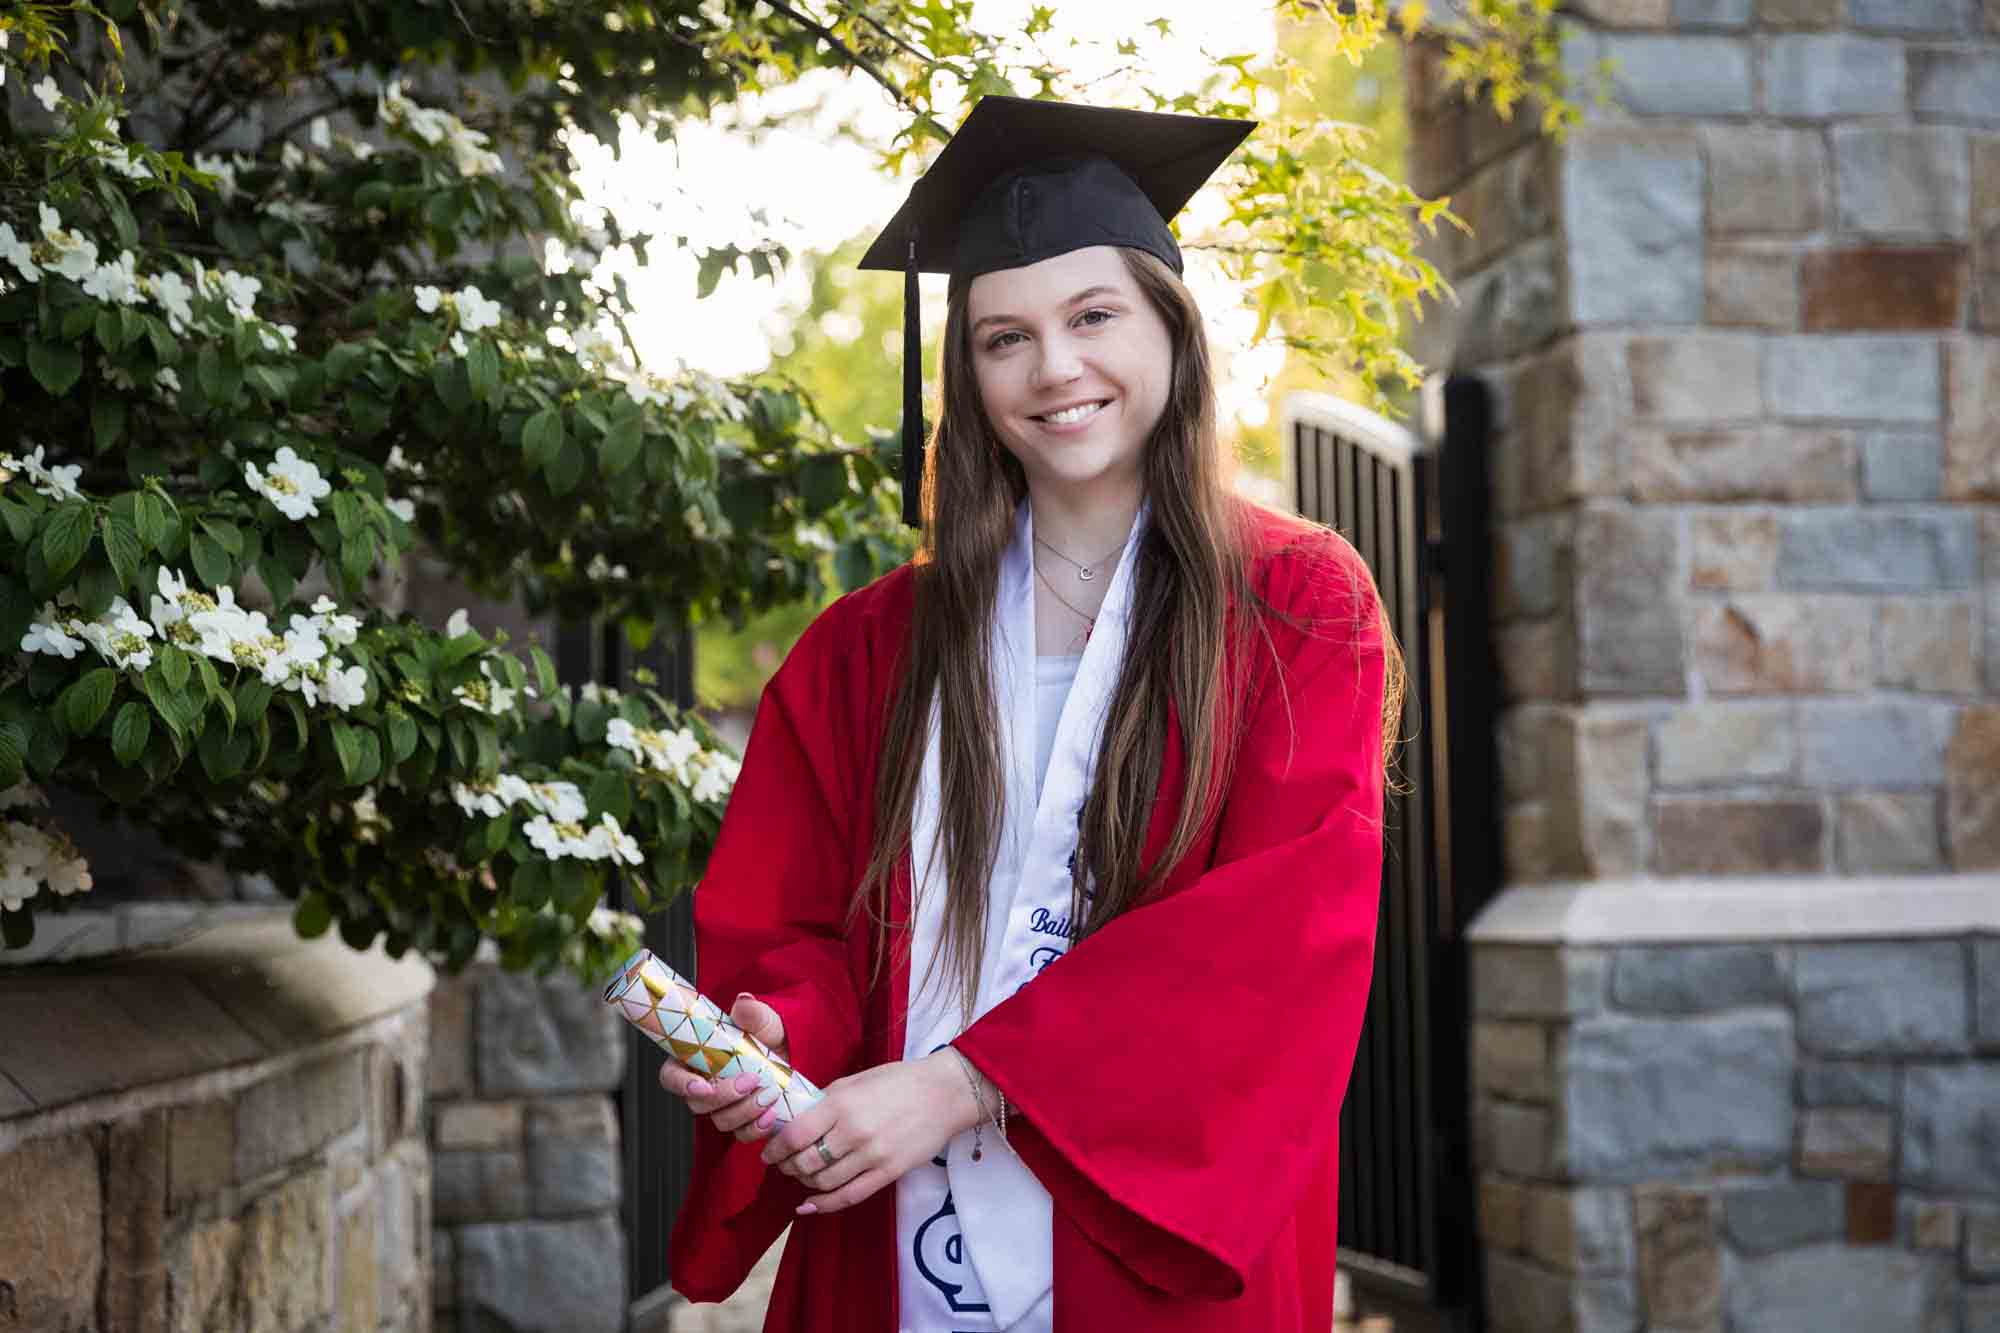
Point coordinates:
[[346, 687], [116, 281], [560, 801], [220, 168], [339, 629], [479, 800], [402, 508], [175, 298], [547, 839], [167, 380], [120, 637], [475, 312], [428, 299], [119, 158], [51, 635], [607, 924], [279, 338], [457, 343], [241, 290], [485, 696], [613, 843], [19, 881], [290, 158], [16, 251], [469, 151], [601, 569], [293, 484], [319, 134], [22, 794], [67, 875], [76, 255], [57, 483], [47, 93], [457, 623], [717, 776]]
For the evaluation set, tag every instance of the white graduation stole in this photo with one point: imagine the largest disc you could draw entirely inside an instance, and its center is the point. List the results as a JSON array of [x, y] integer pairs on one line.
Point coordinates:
[[974, 1239]]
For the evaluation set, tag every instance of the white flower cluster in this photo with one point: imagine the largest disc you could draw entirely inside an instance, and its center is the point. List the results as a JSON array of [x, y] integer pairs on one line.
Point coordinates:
[[224, 169], [474, 310], [436, 126], [300, 659], [293, 484], [488, 695], [607, 924], [57, 483], [557, 829], [707, 774], [31, 856]]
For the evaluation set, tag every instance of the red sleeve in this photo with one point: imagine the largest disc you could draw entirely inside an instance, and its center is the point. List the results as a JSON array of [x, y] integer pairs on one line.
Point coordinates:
[[769, 919], [1179, 1073]]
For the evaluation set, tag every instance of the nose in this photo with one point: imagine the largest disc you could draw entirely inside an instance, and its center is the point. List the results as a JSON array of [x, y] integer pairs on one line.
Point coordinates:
[[1059, 363]]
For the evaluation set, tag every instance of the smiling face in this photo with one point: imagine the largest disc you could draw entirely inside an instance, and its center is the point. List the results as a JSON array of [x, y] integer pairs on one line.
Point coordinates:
[[1074, 365]]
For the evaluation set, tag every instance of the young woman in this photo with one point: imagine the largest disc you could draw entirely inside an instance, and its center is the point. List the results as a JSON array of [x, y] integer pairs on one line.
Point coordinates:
[[1124, 733]]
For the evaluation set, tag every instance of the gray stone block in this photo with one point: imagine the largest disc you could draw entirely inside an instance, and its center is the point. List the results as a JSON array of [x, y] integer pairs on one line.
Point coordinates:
[[1858, 377], [1847, 1083], [1633, 208], [1695, 378], [1587, 1231], [545, 1036], [1914, 15], [1824, 1287], [1902, 464], [1765, 181], [1649, 1098], [1522, 1139], [1858, 551], [1986, 983], [1712, 13], [1982, 1310], [1709, 743], [1629, 638], [1902, 183], [1524, 1297], [1819, 76], [543, 1277], [1665, 75], [1511, 306], [1873, 744], [1890, 832], [290, 1115], [1763, 1217], [1982, 1240], [1901, 998], [1536, 981], [1847, 1144], [1696, 979], [1951, 1128], [1955, 85], [478, 1186], [573, 1161]]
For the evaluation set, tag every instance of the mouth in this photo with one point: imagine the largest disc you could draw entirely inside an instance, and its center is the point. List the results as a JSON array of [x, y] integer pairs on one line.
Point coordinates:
[[1074, 414]]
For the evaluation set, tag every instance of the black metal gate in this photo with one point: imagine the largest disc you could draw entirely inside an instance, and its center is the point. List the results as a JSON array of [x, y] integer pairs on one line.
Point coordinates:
[[1416, 510]]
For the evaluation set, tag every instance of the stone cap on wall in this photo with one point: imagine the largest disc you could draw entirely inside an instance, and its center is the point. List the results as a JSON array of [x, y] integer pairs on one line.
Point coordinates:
[[1795, 907], [240, 993]]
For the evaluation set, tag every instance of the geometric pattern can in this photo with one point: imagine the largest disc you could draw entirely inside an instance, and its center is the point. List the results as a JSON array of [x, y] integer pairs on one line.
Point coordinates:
[[697, 1035]]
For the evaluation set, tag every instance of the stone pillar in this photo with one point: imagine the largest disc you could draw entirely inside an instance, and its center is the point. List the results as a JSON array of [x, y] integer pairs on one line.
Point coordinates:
[[1736, 1004], [526, 1164]]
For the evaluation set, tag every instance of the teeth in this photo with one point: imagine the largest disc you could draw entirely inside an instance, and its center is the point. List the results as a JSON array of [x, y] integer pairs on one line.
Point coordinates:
[[1069, 416]]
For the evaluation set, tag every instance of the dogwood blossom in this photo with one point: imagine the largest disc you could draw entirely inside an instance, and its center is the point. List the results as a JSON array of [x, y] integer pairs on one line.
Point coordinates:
[[717, 777], [175, 299], [57, 483], [485, 696], [475, 311], [120, 637], [18, 253], [428, 298], [670, 752], [47, 93], [607, 924], [52, 634], [116, 281], [293, 484]]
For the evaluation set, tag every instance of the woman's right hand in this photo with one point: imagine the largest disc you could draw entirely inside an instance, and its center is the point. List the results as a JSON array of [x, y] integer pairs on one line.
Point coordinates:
[[732, 1104]]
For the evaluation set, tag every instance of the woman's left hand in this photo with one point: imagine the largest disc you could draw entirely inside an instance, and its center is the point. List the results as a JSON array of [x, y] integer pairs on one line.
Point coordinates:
[[879, 1124]]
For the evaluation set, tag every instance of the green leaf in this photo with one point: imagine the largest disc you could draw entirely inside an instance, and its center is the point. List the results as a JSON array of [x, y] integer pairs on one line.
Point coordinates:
[[565, 469], [545, 670], [20, 521], [123, 545], [173, 664], [66, 536], [542, 437], [620, 446], [482, 363], [611, 794], [55, 366], [13, 750], [149, 513], [347, 512], [402, 737], [357, 555], [852, 564], [220, 376], [528, 886], [312, 916], [211, 684], [85, 701], [107, 420], [130, 730], [345, 361], [822, 482], [211, 563], [228, 534], [253, 696], [347, 749]]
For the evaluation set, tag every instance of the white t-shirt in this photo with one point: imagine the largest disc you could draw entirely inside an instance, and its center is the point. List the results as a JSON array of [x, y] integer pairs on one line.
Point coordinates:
[[1053, 677]]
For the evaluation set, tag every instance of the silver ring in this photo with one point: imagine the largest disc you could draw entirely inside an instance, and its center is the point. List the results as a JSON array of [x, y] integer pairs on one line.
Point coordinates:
[[825, 1153]]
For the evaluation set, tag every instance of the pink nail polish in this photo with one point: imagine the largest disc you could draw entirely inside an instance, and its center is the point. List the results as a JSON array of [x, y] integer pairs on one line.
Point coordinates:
[[746, 1083], [766, 1120], [808, 1207]]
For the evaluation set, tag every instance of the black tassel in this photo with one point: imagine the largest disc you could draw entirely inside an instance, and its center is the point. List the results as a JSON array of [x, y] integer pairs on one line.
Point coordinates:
[[913, 392]]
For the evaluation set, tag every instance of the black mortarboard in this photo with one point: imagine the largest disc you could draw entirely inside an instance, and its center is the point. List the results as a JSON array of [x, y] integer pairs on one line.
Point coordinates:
[[1023, 181]]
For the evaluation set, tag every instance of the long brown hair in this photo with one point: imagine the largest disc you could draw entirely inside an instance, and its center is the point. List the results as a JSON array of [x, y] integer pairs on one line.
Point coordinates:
[[1191, 599]]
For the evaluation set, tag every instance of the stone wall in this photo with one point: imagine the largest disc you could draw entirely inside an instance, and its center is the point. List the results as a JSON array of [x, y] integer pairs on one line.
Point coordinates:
[[1744, 331], [222, 1135], [1741, 1134], [527, 1171]]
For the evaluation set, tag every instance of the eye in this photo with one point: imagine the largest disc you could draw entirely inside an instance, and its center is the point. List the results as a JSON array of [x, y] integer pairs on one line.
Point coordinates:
[[999, 340], [1095, 315]]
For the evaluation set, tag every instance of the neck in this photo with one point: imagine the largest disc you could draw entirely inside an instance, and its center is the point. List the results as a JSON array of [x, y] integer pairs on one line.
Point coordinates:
[[1084, 526]]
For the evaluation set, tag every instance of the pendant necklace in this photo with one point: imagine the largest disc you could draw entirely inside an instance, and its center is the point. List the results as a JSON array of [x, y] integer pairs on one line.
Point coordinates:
[[1089, 622], [1088, 573]]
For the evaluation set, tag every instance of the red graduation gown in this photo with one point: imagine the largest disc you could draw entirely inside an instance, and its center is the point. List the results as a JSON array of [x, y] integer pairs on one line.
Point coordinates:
[[1175, 1082]]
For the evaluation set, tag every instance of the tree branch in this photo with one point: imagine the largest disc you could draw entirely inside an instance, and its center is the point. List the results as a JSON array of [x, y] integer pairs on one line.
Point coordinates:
[[854, 58]]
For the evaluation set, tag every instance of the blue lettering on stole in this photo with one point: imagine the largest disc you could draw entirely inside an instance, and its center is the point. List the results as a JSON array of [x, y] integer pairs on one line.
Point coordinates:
[[939, 1248]]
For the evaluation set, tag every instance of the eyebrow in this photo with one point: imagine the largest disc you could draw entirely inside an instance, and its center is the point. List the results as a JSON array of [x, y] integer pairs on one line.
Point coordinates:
[[1084, 295]]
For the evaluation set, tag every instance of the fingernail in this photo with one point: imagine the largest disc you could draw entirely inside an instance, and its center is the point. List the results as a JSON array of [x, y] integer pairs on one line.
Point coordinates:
[[766, 1120], [808, 1207], [745, 995], [700, 1087], [767, 1096], [748, 1083]]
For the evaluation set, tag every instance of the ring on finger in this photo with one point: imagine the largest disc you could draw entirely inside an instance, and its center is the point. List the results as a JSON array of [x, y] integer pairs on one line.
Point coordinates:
[[826, 1154]]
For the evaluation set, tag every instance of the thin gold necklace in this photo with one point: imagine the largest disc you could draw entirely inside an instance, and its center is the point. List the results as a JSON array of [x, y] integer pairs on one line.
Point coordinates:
[[1089, 621], [1088, 573]]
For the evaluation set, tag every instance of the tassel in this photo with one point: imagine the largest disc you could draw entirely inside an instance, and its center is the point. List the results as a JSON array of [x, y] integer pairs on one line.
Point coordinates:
[[913, 392]]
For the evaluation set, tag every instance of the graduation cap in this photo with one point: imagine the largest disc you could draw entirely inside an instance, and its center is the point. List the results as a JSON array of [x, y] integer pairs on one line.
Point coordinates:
[[1025, 180]]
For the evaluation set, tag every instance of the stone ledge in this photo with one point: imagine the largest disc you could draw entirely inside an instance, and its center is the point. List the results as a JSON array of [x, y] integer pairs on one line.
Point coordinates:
[[1650, 911], [220, 1008]]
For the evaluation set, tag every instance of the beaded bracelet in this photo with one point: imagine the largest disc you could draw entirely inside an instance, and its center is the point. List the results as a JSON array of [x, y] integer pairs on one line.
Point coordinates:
[[972, 1080]]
